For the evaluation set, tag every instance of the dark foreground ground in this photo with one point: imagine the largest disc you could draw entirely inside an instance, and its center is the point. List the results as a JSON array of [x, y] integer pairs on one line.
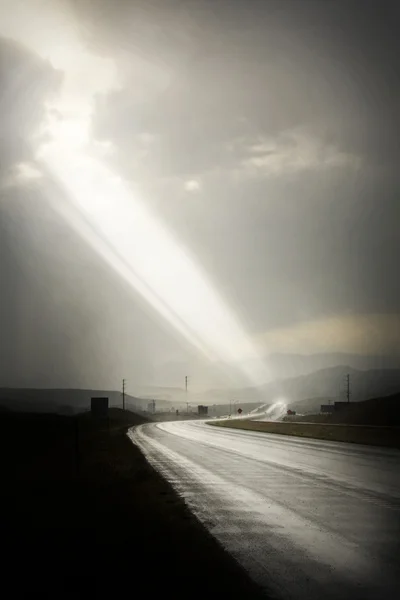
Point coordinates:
[[100, 523]]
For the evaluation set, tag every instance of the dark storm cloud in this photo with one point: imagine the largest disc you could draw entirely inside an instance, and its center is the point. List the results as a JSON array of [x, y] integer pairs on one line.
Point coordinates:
[[328, 65], [310, 242], [361, 39]]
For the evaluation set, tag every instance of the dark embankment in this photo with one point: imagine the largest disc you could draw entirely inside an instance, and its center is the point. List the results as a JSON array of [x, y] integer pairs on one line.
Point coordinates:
[[100, 523]]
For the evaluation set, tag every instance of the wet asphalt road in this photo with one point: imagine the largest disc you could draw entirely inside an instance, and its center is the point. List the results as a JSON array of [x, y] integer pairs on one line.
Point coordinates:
[[306, 518]]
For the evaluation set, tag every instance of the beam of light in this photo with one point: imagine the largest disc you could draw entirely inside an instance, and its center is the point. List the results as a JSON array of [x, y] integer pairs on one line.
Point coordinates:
[[116, 223], [107, 212]]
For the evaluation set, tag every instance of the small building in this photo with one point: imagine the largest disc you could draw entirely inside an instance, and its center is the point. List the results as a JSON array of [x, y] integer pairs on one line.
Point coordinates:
[[99, 408], [202, 410]]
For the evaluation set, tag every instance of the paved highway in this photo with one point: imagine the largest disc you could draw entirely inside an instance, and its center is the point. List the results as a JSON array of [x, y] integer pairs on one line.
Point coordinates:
[[306, 518]]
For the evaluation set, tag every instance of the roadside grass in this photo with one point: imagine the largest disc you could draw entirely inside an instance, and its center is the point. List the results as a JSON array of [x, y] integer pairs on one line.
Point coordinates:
[[357, 434]]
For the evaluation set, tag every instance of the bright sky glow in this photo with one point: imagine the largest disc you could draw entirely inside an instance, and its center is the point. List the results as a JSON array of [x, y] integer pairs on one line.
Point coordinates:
[[192, 185]]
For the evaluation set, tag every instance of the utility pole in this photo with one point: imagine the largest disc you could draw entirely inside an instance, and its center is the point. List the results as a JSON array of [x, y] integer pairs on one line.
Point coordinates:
[[123, 394], [187, 403], [348, 388]]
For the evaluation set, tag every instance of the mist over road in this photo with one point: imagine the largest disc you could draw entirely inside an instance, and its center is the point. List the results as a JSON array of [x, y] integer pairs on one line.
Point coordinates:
[[306, 518]]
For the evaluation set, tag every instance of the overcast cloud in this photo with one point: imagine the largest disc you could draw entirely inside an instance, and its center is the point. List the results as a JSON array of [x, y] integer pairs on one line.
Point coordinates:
[[263, 135]]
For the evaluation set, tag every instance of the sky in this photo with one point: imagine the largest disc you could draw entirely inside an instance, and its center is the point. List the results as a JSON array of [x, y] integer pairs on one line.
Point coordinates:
[[189, 187]]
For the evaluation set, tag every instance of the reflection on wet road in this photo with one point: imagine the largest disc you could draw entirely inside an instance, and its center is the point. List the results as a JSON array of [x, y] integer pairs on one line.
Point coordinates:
[[307, 518]]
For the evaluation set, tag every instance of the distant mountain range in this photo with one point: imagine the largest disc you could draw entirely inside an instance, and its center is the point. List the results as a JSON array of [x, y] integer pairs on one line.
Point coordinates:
[[283, 366], [161, 393], [304, 393], [217, 378], [308, 391], [329, 383]]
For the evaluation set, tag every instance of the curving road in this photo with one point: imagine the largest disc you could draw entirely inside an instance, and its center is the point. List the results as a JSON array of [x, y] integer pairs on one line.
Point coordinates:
[[306, 518]]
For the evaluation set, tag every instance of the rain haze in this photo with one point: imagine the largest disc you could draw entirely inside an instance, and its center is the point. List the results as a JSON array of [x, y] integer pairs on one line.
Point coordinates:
[[199, 299], [194, 187]]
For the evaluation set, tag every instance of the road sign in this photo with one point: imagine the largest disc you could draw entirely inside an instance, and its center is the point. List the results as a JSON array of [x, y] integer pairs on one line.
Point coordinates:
[[240, 411]]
